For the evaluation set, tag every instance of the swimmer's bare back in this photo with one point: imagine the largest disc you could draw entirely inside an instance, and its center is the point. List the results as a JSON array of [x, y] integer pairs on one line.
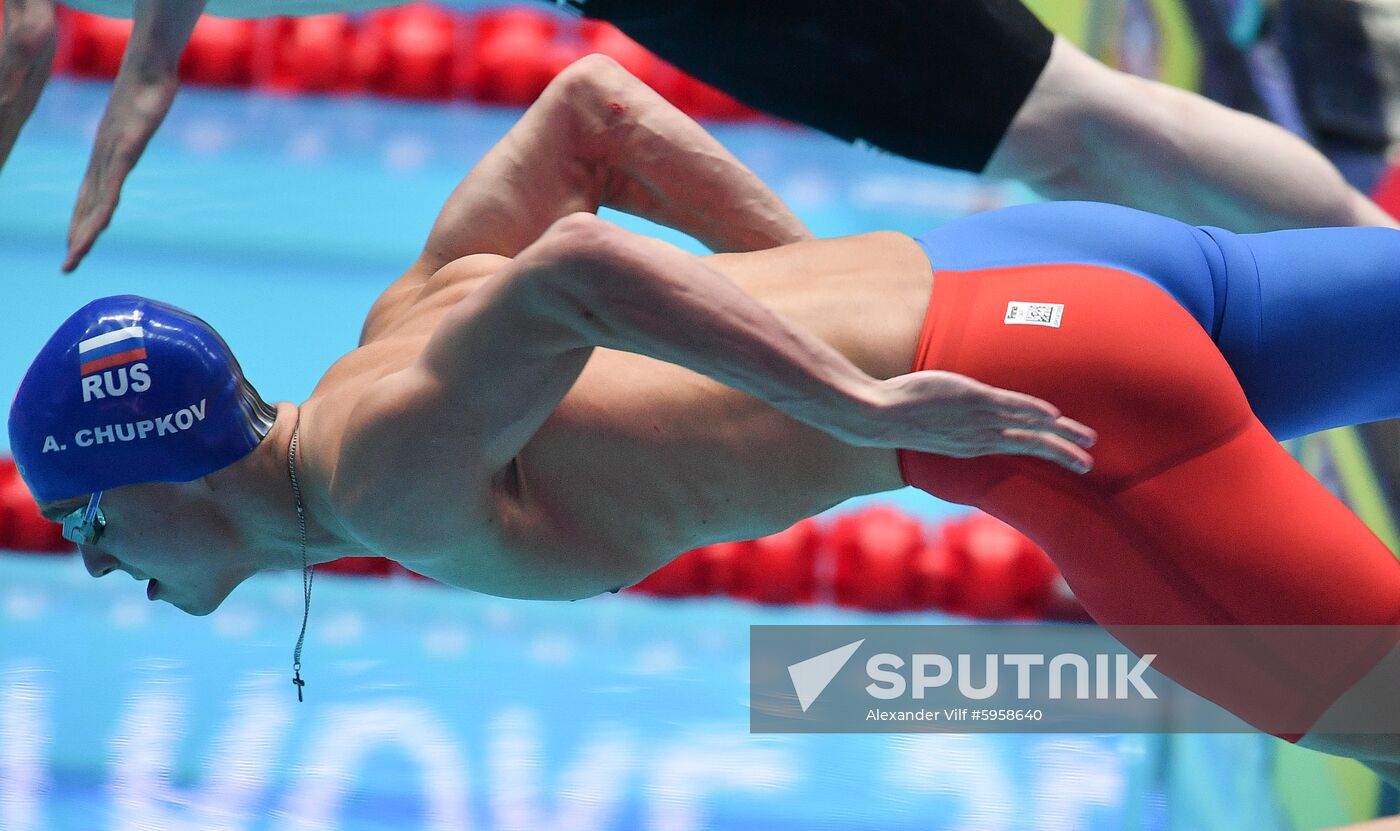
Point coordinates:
[[640, 460], [548, 406]]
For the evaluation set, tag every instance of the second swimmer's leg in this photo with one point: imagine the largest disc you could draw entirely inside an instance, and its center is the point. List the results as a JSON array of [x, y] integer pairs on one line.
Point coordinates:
[[1311, 325], [1090, 132], [933, 81]]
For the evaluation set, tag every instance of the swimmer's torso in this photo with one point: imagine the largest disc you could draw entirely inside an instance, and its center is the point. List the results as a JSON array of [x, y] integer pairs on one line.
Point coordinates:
[[642, 459]]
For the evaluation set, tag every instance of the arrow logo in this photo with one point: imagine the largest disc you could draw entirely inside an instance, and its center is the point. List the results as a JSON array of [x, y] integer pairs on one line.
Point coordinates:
[[810, 677]]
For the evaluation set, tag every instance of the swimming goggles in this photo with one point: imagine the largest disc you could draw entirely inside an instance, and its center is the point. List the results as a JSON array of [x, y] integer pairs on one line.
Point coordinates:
[[84, 526]]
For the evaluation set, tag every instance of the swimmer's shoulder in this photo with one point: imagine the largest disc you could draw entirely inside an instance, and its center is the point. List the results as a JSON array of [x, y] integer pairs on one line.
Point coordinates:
[[422, 289], [470, 267]]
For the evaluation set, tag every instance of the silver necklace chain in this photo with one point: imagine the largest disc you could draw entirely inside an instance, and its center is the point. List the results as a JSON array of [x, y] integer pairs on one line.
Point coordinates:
[[308, 575]]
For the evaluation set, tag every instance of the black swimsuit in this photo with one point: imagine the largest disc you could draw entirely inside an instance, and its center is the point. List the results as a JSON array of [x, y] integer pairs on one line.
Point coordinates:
[[934, 80]]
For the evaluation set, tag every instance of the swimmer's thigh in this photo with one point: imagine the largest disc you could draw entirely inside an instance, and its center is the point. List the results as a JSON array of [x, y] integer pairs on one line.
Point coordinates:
[[1236, 534], [1314, 313], [1193, 513]]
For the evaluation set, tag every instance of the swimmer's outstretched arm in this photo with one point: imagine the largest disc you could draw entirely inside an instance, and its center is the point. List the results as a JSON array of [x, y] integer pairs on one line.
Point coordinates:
[[598, 136], [503, 358], [141, 96], [26, 58]]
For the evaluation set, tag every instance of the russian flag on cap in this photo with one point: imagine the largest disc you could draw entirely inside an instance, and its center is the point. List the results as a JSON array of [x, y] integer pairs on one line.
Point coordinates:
[[109, 349]]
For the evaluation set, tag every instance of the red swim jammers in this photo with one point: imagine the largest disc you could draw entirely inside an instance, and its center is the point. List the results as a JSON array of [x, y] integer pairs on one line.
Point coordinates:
[[1193, 513]]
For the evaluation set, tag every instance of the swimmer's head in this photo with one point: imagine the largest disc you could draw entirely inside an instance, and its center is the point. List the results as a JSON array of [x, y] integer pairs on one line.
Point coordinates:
[[177, 536], [130, 393]]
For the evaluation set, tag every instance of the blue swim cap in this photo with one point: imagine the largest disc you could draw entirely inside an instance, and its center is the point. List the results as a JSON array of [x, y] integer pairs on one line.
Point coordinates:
[[131, 390]]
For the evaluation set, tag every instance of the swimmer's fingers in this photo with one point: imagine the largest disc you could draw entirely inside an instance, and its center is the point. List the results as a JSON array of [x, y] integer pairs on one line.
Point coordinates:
[[1066, 428], [1019, 409], [1046, 445], [953, 415], [97, 202], [1018, 403]]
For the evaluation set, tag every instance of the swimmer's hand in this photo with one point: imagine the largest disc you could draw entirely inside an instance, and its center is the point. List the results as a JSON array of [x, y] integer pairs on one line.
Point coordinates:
[[133, 114], [26, 57], [953, 415], [130, 119], [144, 88]]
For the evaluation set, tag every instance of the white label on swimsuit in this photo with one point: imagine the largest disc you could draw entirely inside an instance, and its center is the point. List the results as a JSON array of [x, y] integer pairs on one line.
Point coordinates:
[[1034, 314]]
